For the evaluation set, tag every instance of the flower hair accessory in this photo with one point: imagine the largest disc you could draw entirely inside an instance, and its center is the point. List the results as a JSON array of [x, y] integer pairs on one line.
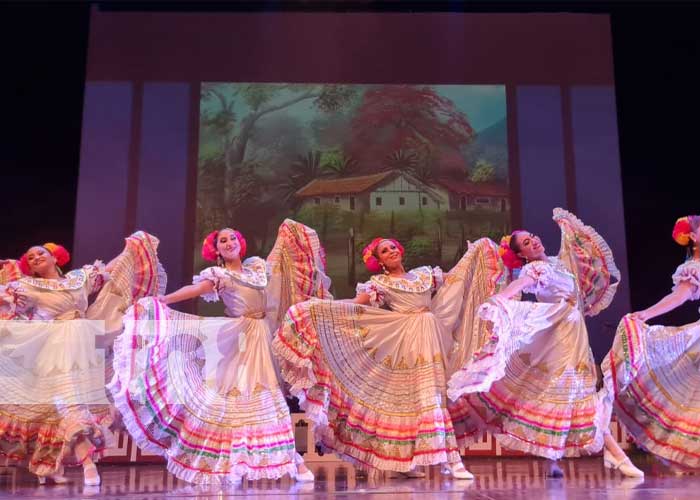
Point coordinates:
[[209, 244], [58, 252], [371, 262], [682, 230], [508, 256]]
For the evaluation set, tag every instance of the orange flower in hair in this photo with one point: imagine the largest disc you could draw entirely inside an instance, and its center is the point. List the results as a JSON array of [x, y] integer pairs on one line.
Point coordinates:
[[59, 252], [682, 230]]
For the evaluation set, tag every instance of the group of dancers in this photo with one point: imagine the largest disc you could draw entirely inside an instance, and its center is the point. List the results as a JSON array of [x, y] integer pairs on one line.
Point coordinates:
[[420, 364]]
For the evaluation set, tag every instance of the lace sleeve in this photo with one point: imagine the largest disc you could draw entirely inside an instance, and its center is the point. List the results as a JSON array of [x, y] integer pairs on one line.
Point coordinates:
[[539, 271], [688, 272], [376, 295], [212, 274]]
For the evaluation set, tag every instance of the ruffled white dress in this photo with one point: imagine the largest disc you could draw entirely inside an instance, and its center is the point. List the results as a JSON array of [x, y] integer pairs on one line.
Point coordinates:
[[373, 378], [654, 374], [533, 386], [52, 373], [204, 392]]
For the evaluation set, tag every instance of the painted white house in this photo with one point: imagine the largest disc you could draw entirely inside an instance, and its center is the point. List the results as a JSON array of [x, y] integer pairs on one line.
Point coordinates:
[[386, 191], [466, 195]]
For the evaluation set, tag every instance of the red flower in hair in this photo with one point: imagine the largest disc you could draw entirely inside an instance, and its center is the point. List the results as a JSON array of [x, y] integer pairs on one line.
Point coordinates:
[[59, 252], [24, 265], [682, 230], [209, 247], [508, 256], [371, 262]]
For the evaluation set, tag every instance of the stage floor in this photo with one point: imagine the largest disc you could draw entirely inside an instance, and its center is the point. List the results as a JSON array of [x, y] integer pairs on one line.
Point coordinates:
[[496, 478]]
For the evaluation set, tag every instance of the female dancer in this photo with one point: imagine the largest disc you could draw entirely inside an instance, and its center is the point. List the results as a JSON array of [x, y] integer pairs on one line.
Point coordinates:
[[534, 385], [204, 392], [371, 372], [54, 410], [653, 370]]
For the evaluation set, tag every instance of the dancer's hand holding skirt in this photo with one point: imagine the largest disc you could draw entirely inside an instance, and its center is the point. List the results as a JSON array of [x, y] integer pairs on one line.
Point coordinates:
[[204, 392], [52, 359], [372, 378], [533, 386]]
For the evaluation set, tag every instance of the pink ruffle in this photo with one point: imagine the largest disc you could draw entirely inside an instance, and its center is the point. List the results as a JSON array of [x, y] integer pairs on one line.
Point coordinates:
[[688, 272]]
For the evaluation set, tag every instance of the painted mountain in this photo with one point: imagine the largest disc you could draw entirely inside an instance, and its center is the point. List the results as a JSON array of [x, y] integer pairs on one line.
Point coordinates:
[[491, 145]]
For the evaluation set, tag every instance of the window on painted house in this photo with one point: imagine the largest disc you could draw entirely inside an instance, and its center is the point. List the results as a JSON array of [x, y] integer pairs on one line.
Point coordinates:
[[352, 203], [463, 203], [402, 200], [483, 201], [378, 201], [425, 200], [337, 199], [317, 201]]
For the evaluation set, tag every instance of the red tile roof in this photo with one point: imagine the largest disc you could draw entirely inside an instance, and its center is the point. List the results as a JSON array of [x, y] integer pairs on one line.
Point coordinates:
[[475, 188], [346, 185]]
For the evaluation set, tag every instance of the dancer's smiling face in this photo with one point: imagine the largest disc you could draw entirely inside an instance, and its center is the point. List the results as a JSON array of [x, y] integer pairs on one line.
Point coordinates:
[[227, 245], [40, 261], [527, 246], [388, 255]]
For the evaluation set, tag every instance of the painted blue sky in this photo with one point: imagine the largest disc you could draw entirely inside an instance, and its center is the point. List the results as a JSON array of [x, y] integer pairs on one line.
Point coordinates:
[[484, 105]]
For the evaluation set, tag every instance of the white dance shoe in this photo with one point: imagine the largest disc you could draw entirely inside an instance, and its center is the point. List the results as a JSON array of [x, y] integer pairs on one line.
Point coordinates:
[[624, 465], [54, 478], [411, 474], [457, 471], [94, 478], [304, 477]]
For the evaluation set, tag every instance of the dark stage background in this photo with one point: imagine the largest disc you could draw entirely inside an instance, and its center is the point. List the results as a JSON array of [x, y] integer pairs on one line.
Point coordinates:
[[655, 49]]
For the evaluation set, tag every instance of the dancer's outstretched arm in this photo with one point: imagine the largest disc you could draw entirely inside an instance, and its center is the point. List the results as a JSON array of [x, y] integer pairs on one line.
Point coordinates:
[[515, 287], [681, 294], [188, 292]]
